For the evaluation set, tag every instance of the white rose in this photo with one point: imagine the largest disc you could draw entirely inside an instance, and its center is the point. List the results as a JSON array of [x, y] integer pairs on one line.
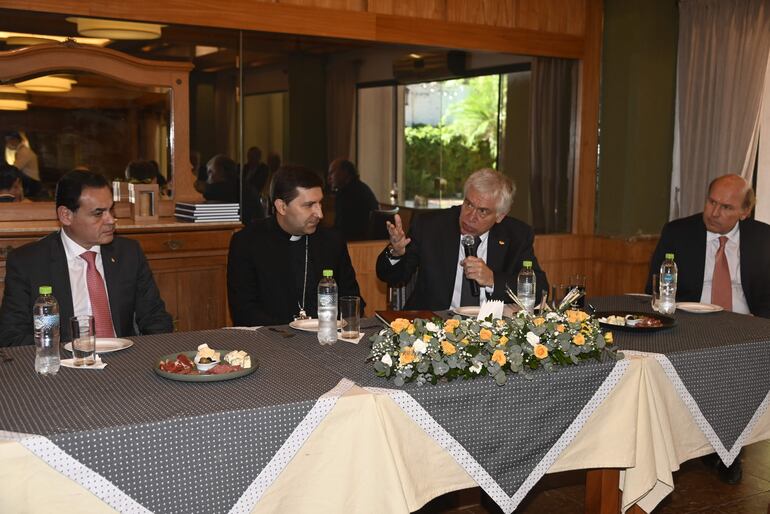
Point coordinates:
[[476, 368], [431, 327], [532, 338], [552, 315], [420, 346], [387, 360]]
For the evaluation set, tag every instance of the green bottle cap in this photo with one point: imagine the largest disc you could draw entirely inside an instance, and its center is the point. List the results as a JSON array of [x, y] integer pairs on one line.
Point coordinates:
[[670, 256], [328, 273], [45, 290], [527, 264]]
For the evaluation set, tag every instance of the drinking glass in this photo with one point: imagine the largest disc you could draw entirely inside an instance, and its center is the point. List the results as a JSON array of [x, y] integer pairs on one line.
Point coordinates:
[[558, 292], [655, 301], [83, 340], [350, 307]]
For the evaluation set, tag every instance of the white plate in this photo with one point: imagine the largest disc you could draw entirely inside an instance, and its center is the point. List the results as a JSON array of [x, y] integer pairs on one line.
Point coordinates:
[[471, 311], [107, 344], [698, 308], [640, 295], [311, 324]]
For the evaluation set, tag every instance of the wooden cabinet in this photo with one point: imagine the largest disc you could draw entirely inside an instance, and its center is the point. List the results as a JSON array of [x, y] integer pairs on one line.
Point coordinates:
[[189, 263]]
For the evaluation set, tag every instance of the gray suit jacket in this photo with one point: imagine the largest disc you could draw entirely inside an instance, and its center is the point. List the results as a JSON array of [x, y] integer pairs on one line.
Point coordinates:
[[134, 297]]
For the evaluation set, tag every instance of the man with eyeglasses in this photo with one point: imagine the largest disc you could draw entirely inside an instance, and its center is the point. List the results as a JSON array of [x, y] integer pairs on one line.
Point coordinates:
[[434, 249]]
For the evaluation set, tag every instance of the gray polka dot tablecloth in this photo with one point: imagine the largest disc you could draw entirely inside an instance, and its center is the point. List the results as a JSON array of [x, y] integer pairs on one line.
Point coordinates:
[[168, 446], [505, 437], [719, 363]]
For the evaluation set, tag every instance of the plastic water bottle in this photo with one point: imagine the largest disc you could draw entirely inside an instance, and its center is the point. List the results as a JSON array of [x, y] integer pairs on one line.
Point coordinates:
[[327, 308], [45, 317], [525, 286], [668, 276]]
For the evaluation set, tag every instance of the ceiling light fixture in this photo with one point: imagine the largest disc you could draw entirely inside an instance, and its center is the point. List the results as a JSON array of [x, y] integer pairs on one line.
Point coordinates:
[[113, 29], [47, 84]]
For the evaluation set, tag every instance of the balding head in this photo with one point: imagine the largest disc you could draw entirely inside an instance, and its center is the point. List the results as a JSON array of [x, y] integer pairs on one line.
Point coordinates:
[[729, 200]]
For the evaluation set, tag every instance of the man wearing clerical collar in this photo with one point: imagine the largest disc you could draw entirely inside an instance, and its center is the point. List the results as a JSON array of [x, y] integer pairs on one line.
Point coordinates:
[[721, 253], [274, 264], [434, 249]]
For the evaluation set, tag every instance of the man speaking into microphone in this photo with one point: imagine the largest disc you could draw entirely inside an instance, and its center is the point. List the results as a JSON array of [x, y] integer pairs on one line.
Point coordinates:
[[454, 270]]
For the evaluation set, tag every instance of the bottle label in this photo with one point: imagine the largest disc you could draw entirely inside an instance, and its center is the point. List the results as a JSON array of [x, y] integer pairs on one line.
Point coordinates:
[[667, 278], [46, 322], [326, 300]]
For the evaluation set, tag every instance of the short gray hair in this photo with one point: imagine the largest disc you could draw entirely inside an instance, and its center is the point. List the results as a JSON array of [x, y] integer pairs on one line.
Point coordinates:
[[491, 182]]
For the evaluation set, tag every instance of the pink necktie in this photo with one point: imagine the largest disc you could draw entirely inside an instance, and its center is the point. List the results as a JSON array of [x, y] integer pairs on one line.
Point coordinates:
[[97, 293], [721, 285]]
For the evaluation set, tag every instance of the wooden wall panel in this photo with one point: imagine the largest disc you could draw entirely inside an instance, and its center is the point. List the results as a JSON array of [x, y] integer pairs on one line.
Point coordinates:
[[342, 5]]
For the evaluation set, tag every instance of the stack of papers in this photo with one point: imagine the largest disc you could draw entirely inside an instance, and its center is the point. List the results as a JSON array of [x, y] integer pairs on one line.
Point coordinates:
[[201, 212]]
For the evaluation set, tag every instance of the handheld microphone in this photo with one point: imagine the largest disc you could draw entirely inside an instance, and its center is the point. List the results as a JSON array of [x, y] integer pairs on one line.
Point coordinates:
[[469, 245]]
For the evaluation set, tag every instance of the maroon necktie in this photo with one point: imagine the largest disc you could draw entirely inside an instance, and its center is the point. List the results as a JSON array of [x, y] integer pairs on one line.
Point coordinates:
[[100, 306], [721, 285]]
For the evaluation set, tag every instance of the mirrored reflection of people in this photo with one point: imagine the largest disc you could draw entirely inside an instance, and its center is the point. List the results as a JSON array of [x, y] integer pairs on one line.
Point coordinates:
[[255, 176], [354, 200], [92, 271], [221, 183], [722, 255], [274, 264], [21, 155], [146, 172], [11, 189], [434, 250]]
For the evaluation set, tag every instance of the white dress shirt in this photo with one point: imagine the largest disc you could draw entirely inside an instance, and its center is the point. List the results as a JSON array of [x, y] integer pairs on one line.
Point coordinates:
[[481, 253], [77, 266], [733, 253]]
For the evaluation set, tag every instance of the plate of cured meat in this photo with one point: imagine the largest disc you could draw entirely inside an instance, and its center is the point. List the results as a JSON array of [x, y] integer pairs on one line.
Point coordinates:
[[186, 366]]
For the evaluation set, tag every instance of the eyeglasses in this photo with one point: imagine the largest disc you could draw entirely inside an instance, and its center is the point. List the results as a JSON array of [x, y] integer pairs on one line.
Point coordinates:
[[481, 212]]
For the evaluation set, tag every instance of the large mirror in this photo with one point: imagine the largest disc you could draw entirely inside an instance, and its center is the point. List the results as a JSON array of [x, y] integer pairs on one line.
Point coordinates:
[[414, 120]]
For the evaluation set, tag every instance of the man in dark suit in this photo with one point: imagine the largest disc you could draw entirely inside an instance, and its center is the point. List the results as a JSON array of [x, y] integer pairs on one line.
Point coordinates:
[[92, 271], [745, 246], [274, 264], [434, 251], [722, 258]]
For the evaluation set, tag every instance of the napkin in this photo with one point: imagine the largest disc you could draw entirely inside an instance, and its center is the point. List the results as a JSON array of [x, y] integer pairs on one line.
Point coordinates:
[[98, 364], [355, 340], [493, 307]]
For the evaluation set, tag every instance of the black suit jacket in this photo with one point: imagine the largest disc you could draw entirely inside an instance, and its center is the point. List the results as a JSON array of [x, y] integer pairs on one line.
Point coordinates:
[[435, 248], [134, 297], [260, 280], [686, 239]]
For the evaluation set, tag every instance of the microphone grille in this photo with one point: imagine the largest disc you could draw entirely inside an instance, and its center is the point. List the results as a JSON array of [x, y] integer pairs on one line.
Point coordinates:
[[468, 240]]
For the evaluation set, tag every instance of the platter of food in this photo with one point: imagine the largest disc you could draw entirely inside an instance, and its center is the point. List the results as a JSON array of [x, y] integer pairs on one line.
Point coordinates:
[[206, 365], [634, 321]]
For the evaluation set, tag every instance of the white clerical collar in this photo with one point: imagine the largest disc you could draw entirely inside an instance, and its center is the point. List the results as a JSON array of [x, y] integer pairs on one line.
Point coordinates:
[[732, 235], [295, 238]]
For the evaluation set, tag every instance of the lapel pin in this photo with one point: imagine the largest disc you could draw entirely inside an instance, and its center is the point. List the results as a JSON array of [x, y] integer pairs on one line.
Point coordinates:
[[501, 242], [112, 259]]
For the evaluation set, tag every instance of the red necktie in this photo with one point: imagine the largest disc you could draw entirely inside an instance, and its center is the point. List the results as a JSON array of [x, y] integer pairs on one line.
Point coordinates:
[[721, 285], [100, 306]]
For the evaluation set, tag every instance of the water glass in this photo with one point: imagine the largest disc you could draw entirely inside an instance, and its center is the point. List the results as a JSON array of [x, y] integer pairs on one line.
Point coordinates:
[[558, 292], [83, 340], [655, 301], [578, 281], [350, 307]]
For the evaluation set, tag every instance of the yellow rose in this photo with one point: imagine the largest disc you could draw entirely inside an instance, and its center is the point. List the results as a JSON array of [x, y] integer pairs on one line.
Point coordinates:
[[503, 340], [426, 338], [500, 323], [407, 356], [538, 321], [499, 357], [410, 329], [608, 337], [582, 316], [485, 334], [448, 348], [464, 341], [451, 324], [572, 316], [560, 328], [540, 351], [399, 324], [579, 339]]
